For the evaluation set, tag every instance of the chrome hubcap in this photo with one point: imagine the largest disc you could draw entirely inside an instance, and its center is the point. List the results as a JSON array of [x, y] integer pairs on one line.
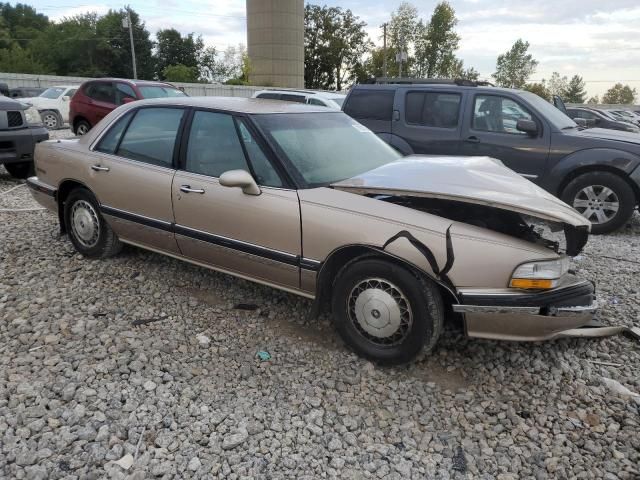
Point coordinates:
[[50, 121], [380, 312], [85, 223], [82, 129], [597, 203]]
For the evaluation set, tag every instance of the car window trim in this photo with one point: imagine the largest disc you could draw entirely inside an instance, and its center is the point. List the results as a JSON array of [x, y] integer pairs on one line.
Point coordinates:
[[427, 91], [499, 95], [287, 181]]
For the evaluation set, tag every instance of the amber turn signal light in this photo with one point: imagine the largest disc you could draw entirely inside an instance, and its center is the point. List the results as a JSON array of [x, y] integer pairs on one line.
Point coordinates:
[[531, 283]]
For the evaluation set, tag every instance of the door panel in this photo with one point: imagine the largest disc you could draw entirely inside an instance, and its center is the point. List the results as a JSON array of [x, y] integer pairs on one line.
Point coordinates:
[[489, 130], [251, 235], [429, 121]]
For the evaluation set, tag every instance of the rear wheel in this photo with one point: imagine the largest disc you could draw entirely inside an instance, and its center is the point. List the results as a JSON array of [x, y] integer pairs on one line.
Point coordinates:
[[82, 127], [603, 198], [51, 120], [386, 313], [90, 234], [20, 169]]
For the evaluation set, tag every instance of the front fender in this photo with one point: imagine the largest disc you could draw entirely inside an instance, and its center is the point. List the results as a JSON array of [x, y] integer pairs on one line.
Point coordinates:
[[592, 159]]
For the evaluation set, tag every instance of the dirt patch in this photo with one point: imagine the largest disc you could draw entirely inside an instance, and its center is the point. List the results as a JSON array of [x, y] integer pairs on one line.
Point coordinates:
[[311, 332], [430, 371]]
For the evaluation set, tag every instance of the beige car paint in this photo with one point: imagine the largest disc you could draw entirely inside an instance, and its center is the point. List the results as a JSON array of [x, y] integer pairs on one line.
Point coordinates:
[[331, 218]]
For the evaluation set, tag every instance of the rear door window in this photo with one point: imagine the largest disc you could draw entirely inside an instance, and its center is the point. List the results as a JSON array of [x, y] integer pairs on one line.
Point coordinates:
[[151, 136], [433, 109], [101, 92], [373, 104]]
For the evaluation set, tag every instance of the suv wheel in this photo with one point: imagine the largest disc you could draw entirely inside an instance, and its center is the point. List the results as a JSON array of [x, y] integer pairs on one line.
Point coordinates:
[[384, 312], [603, 198], [90, 234], [51, 120], [82, 127], [20, 169]]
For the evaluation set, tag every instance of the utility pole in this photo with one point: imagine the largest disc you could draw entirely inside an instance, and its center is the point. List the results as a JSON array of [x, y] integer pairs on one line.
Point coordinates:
[[384, 50], [401, 52], [126, 23]]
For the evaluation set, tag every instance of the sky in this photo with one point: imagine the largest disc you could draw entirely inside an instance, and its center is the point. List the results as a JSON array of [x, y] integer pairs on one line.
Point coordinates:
[[599, 40]]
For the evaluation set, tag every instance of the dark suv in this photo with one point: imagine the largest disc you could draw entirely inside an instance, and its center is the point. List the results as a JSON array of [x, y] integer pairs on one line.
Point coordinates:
[[594, 170], [97, 98]]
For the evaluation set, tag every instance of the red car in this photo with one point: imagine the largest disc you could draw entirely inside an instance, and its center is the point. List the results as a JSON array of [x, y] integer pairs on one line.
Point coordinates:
[[96, 98]]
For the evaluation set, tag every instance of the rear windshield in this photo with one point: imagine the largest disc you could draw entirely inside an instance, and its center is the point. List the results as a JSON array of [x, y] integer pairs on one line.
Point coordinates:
[[373, 104], [160, 91]]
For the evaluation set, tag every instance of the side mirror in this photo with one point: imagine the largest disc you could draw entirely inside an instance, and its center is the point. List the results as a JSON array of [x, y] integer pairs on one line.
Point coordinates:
[[581, 122], [241, 179], [527, 126], [66, 98], [128, 100]]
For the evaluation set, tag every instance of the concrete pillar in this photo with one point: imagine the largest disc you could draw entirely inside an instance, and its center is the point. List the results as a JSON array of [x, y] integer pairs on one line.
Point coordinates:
[[275, 42]]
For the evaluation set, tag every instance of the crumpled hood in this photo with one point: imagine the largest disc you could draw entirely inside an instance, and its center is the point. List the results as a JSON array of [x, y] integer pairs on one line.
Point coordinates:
[[479, 180]]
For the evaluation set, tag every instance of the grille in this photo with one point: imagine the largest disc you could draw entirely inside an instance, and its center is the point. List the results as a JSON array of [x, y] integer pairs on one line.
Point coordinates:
[[14, 119]]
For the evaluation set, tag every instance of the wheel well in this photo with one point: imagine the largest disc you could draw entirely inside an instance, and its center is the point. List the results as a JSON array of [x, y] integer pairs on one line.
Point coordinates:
[[79, 119], [64, 190], [339, 258], [598, 168]]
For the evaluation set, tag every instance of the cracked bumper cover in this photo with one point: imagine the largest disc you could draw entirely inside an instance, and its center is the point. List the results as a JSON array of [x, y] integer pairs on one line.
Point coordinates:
[[510, 314]]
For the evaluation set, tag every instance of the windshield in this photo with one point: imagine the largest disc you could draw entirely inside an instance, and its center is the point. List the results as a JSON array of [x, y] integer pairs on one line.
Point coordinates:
[[548, 111], [53, 92], [160, 91], [325, 147]]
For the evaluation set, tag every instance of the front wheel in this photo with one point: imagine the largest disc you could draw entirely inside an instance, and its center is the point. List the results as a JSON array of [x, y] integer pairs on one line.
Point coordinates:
[[51, 120], [90, 234], [82, 127], [386, 313], [20, 169], [603, 198]]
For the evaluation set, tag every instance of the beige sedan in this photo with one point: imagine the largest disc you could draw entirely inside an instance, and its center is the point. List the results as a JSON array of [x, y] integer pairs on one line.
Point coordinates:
[[311, 202]]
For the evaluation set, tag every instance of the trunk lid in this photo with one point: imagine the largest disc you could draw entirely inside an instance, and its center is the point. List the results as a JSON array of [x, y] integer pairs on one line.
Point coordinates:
[[477, 180]]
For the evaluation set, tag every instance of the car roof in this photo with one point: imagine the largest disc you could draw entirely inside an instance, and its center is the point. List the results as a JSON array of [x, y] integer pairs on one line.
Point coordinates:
[[233, 104], [440, 86], [131, 82], [328, 95]]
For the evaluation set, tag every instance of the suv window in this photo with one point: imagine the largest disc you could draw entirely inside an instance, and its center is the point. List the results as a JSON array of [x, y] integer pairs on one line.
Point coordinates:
[[269, 96], [370, 104], [433, 109], [109, 142], [293, 98], [124, 91], [102, 92], [214, 146], [71, 93], [151, 136], [493, 113]]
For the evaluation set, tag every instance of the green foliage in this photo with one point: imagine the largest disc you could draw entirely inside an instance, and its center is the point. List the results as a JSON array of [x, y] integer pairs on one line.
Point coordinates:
[[335, 44], [595, 100], [436, 44], [557, 85], [575, 91], [172, 49], [539, 89], [180, 73], [18, 59], [515, 67], [619, 94], [22, 22]]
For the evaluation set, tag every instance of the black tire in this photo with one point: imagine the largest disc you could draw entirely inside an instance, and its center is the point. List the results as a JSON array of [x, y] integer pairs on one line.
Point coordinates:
[[20, 169], [575, 195], [81, 127], [82, 207], [425, 304], [51, 120]]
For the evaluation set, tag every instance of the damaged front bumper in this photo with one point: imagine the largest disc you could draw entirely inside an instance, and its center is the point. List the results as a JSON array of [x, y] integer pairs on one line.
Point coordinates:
[[511, 314]]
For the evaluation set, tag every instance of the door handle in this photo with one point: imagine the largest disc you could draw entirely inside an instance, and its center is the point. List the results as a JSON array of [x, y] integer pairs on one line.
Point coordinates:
[[188, 189], [99, 168], [472, 139]]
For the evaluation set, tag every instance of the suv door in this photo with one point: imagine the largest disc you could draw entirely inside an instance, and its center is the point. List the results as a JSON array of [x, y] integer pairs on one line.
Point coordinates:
[[429, 120], [490, 130], [131, 167], [102, 100], [255, 236]]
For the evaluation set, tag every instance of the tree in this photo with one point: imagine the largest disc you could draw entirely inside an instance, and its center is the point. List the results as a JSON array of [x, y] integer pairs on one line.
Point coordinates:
[[115, 46], [595, 100], [335, 44], [575, 92], [20, 60], [180, 73], [619, 94], [539, 89], [172, 49], [514, 67], [436, 45], [403, 30], [23, 22], [557, 85]]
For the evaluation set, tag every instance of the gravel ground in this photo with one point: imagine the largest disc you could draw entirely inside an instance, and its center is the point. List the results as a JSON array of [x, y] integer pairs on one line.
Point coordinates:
[[145, 358]]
